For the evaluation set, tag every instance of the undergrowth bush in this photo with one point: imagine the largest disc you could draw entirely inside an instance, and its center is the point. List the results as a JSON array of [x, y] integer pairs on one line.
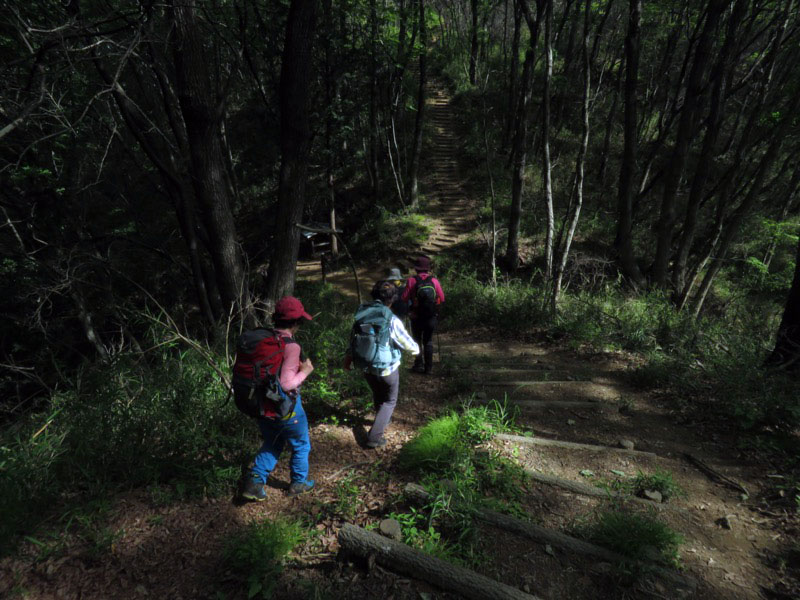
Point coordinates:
[[157, 419], [255, 556], [330, 390], [383, 234], [635, 536]]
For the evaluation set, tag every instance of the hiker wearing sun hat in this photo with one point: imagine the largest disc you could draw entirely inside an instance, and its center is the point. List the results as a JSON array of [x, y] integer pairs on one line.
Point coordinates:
[[292, 428], [399, 307], [425, 295]]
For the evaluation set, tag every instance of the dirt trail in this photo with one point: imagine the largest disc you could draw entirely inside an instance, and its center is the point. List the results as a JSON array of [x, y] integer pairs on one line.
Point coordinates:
[[724, 539], [448, 209]]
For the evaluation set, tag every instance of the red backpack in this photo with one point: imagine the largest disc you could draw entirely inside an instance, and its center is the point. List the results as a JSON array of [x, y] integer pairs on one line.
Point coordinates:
[[257, 389]]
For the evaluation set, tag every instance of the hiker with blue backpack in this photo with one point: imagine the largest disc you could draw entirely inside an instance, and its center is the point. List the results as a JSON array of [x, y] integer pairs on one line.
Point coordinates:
[[425, 295], [376, 343], [267, 374]]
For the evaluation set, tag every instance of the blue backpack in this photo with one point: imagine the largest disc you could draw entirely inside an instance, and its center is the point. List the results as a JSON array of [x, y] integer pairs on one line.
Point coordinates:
[[370, 336]]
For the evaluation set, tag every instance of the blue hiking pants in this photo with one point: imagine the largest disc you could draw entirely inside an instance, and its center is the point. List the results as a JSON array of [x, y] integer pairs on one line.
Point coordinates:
[[275, 434]]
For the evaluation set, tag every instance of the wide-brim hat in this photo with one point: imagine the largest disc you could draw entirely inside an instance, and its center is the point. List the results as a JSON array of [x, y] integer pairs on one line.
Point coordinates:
[[290, 308], [394, 273], [423, 263]]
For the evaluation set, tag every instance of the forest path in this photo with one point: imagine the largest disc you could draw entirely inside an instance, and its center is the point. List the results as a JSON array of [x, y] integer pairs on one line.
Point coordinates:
[[582, 400], [448, 209], [585, 401]]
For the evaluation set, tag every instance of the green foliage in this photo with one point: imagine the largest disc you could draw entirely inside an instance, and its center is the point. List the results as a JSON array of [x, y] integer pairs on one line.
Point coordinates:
[[435, 446], [386, 233], [156, 420], [511, 306], [255, 555], [331, 392], [448, 440], [635, 536], [347, 498], [460, 478], [660, 481], [419, 533]]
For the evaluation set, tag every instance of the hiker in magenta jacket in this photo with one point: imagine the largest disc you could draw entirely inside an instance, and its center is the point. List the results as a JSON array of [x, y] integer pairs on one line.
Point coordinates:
[[423, 321], [288, 316]]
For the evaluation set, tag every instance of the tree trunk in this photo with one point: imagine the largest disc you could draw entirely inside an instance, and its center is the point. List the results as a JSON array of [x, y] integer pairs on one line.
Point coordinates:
[[406, 560], [686, 131], [579, 166], [786, 353], [329, 113], [513, 76], [295, 137], [202, 117], [720, 77], [473, 47], [766, 162], [546, 166], [624, 241], [413, 185], [519, 151], [374, 136]]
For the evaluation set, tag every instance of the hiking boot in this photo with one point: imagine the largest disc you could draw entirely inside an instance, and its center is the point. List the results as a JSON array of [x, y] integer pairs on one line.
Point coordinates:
[[254, 490], [417, 369], [300, 487], [379, 444]]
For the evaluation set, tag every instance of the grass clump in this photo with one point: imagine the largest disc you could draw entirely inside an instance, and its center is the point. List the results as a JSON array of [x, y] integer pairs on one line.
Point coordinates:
[[255, 556], [448, 440], [459, 479], [436, 445], [660, 481], [636, 536]]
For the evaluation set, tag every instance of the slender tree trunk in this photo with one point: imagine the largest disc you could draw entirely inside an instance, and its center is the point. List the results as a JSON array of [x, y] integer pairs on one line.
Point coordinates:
[[612, 117], [513, 75], [720, 77], [519, 154], [766, 162], [473, 47], [295, 138], [420, 120], [202, 116], [579, 165], [786, 353], [546, 166], [735, 222], [686, 131], [624, 241], [374, 136], [329, 113]]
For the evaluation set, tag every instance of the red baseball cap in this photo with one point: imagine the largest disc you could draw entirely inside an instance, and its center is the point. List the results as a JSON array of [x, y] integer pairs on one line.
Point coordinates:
[[289, 308]]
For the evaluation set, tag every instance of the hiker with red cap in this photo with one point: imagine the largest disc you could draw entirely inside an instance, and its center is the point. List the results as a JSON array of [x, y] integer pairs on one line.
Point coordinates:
[[426, 296], [278, 429]]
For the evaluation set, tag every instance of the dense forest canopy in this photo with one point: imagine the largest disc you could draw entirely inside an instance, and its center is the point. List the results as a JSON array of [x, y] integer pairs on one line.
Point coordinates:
[[156, 159]]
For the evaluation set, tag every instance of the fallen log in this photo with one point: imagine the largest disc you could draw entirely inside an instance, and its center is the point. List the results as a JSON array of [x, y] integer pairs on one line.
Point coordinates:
[[536, 441], [406, 560]]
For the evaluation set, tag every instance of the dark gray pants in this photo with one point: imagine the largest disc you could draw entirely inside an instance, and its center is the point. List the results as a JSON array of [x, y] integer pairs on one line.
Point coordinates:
[[384, 396]]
